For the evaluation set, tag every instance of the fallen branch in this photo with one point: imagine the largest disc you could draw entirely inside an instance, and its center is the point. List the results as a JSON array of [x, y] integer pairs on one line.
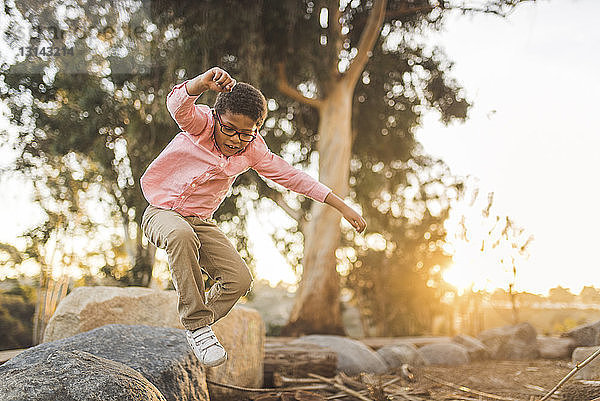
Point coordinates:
[[571, 373], [268, 390], [280, 380], [468, 390]]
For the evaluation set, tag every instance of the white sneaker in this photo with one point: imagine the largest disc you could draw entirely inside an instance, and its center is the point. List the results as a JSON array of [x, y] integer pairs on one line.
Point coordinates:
[[206, 346]]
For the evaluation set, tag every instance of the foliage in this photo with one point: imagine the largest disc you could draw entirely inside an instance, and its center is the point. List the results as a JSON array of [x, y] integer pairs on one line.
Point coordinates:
[[17, 306], [94, 133], [396, 274]]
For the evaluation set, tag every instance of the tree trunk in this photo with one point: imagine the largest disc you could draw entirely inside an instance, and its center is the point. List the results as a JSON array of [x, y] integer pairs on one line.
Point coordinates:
[[317, 302]]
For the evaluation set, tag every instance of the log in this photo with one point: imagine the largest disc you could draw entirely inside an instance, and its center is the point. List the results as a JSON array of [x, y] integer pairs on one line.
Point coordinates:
[[297, 360]]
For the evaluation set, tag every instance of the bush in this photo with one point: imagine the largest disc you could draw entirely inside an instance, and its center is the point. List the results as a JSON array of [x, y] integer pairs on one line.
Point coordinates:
[[17, 307]]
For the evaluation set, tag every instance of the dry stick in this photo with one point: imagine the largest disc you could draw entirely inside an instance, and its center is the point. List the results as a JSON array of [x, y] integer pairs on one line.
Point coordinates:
[[468, 390], [341, 387], [571, 373]]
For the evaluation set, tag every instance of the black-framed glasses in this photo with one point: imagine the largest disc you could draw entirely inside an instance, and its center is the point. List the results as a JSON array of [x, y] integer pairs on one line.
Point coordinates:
[[230, 131]]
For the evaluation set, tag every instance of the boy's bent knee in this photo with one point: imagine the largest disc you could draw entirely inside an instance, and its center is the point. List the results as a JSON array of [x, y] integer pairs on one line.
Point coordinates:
[[182, 236], [245, 283]]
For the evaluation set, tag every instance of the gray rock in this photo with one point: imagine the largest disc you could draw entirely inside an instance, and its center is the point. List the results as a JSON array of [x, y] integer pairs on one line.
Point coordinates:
[[160, 354], [353, 356], [555, 348], [476, 349], [242, 331], [74, 376], [586, 335], [449, 354], [397, 355], [591, 371], [518, 342]]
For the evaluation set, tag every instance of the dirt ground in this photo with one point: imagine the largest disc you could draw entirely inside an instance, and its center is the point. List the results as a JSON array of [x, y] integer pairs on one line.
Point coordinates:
[[508, 379], [489, 380]]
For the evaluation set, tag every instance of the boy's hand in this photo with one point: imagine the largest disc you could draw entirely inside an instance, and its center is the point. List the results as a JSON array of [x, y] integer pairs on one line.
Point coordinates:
[[216, 79], [351, 215], [357, 221]]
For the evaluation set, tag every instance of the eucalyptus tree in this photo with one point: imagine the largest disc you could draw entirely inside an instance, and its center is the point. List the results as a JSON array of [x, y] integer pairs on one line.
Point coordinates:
[[347, 81]]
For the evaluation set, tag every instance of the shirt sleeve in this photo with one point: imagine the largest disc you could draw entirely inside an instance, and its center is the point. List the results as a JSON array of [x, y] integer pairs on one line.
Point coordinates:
[[273, 167], [190, 117]]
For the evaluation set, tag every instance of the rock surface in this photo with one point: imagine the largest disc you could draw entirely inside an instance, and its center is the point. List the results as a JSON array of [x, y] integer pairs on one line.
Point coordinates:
[[353, 356], [397, 355], [448, 354], [161, 355], [516, 342], [476, 349], [586, 335], [591, 371], [242, 333], [74, 376], [555, 348], [86, 308]]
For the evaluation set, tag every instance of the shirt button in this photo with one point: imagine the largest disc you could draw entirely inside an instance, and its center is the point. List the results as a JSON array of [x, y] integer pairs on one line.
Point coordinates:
[[193, 185]]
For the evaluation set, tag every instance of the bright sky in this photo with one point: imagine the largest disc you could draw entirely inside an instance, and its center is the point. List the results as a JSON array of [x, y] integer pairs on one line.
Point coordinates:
[[532, 138]]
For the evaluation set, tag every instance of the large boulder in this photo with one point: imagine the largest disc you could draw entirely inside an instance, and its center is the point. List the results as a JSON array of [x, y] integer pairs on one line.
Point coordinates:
[[86, 308], [397, 355], [586, 335], [74, 376], [476, 349], [518, 342], [555, 348], [591, 371], [447, 354], [353, 356], [160, 354], [241, 332]]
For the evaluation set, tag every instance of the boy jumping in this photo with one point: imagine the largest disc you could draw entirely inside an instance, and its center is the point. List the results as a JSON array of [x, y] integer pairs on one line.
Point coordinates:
[[187, 182]]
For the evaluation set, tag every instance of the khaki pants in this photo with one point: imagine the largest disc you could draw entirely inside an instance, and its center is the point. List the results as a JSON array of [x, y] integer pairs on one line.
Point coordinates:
[[191, 242]]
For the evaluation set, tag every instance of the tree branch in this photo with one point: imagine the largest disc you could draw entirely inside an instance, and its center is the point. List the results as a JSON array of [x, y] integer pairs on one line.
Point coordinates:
[[285, 88], [335, 28], [407, 11], [368, 38]]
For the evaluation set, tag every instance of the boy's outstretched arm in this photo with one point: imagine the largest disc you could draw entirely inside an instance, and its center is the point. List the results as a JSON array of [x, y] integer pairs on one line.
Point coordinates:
[[351, 215]]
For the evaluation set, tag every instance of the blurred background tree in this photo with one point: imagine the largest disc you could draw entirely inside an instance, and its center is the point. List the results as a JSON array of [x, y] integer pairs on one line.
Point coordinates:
[[17, 305], [345, 81]]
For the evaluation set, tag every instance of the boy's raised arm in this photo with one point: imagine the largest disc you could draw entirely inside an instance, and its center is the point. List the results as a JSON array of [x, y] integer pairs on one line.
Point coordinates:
[[180, 101], [215, 79]]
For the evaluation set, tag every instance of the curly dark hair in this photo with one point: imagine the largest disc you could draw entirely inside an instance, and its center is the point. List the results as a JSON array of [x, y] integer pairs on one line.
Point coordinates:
[[243, 99]]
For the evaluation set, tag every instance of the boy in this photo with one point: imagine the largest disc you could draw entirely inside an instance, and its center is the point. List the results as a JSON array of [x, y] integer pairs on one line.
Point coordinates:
[[186, 183]]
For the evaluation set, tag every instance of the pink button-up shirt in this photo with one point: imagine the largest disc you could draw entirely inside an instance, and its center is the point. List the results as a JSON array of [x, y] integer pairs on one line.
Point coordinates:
[[192, 176]]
